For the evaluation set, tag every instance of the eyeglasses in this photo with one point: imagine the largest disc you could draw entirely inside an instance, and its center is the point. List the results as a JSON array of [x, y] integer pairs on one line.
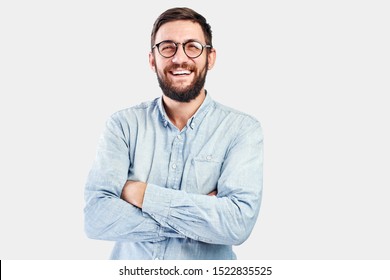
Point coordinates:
[[192, 48]]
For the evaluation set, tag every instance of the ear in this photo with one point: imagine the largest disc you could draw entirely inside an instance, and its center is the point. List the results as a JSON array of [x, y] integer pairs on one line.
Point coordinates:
[[212, 56], [152, 61]]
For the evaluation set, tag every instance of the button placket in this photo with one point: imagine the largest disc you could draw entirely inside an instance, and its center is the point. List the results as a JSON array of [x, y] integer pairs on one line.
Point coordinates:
[[176, 163]]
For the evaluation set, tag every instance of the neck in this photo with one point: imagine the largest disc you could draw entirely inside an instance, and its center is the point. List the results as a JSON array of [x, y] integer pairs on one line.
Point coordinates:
[[180, 112]]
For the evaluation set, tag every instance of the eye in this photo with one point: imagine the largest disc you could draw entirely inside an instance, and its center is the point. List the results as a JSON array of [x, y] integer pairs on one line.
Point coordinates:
[[167, 47], [193, 46]]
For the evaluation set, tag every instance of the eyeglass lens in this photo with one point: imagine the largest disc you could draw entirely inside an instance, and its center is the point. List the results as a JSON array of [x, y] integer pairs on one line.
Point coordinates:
[[192, 49]]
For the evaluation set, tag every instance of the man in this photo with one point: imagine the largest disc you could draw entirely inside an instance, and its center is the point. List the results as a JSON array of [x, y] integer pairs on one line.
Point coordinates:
[[179, 177]]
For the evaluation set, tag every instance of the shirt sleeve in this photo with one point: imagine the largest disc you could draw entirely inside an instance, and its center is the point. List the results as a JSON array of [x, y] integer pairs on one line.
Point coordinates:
[[106, 215], [227, 218]]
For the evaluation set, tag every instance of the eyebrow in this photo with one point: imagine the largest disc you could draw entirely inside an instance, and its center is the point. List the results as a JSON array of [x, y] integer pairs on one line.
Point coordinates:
[[185, 41]]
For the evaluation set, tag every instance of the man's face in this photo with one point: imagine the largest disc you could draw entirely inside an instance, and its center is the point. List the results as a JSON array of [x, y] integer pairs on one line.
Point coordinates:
[[181, 78]]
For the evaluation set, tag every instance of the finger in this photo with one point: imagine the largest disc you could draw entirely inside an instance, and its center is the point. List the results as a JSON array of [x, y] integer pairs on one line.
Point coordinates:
[[213, 193]]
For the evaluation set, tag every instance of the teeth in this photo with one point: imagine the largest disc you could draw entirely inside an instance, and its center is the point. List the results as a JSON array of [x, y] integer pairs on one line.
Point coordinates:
[[183, 72]]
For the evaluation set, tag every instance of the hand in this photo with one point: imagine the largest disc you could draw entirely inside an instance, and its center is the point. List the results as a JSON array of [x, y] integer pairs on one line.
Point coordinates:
[[213, 193], [133, 192]]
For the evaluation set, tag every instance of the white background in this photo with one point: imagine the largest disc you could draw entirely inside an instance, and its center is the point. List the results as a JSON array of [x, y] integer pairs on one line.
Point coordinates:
[[315, 73]]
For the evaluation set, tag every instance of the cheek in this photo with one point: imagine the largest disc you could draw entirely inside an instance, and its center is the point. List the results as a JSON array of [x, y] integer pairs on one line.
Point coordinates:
[[162, 73], [201, 69], [160, 67]]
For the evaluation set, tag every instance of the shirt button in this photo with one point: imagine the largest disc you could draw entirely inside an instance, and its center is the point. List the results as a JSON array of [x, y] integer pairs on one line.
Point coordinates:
[[179, 137], [174, 166], [156, 259], [192, 125], [209, 157]]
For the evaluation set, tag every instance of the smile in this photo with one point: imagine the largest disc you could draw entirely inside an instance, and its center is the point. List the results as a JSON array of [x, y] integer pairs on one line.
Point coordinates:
[[181, 72]]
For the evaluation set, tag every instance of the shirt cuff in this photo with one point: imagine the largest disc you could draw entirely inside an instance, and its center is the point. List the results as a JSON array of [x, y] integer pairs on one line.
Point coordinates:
[[157, 201]]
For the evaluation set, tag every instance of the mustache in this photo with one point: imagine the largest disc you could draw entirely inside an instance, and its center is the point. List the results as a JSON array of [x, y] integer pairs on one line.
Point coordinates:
[[183, 66]]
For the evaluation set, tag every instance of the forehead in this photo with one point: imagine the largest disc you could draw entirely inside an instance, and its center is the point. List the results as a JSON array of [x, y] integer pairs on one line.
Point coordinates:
[[180, 31]]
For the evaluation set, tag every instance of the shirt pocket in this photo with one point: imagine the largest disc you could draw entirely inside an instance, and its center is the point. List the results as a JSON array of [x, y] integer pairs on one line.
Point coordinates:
[[204, 172]]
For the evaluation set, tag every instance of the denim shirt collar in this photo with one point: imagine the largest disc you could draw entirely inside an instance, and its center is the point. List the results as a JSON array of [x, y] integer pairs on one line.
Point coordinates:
[[194, 120]]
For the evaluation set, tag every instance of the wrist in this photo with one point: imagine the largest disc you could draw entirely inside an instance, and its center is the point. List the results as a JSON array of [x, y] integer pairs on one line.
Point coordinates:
[[133, 192]]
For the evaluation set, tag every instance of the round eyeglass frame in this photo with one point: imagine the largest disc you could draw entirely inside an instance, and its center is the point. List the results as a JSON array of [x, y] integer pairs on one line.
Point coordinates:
[[183, 45]]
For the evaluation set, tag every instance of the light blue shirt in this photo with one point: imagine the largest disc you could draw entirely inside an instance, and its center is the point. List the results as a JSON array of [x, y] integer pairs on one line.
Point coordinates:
[[219, 149]]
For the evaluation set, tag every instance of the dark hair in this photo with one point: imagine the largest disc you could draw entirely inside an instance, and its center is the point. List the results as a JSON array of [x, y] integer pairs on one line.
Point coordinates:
[[181, 14]]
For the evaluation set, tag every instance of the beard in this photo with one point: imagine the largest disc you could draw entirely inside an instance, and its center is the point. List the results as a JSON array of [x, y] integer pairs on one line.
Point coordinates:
[[182, 94]]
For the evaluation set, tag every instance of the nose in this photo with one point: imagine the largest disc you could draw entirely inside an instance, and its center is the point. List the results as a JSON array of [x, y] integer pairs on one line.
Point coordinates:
[[180, 55]]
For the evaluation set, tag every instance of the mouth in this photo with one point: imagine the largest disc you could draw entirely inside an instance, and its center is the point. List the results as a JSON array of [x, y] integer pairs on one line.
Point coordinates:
[[180, 73]]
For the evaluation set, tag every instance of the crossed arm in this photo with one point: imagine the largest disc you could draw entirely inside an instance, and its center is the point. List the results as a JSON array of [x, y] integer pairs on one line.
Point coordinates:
[[122, 210], [134, 191]]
